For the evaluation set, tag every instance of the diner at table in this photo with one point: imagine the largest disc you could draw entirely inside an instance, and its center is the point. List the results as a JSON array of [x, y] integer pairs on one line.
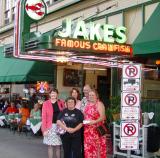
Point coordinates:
[[25, 114], [11, 109], [35, 119]]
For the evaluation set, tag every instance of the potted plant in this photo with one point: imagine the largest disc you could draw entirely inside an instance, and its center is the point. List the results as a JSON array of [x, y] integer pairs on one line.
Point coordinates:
[[115, 107]]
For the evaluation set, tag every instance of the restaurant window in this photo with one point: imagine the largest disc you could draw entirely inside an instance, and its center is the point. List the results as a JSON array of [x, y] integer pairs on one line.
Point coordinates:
[[152, 74]]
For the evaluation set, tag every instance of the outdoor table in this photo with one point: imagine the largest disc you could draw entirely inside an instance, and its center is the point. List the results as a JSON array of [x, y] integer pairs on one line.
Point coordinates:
[[13, 120], [15, 116], [35, 124]]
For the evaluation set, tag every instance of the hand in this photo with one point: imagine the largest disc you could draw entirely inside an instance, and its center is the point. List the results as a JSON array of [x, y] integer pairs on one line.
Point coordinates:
[[92, 122], [70, 130]]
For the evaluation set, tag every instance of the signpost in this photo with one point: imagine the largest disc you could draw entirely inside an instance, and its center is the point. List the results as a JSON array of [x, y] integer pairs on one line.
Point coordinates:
[[130, 107]]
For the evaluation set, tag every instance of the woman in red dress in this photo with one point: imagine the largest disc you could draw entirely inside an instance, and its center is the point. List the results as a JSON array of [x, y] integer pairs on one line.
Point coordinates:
[[94, 113]]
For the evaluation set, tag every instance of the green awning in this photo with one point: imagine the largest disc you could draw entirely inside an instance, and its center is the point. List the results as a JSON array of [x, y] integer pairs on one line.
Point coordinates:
[[147, 42], [18, 70]]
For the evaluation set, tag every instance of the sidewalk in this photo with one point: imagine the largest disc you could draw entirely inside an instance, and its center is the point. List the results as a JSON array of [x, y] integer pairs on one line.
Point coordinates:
[[20, 146]]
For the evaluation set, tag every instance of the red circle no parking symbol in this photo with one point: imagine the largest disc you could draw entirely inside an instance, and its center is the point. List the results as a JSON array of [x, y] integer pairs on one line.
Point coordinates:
[[129, 129], [130, 99], [131, 71]]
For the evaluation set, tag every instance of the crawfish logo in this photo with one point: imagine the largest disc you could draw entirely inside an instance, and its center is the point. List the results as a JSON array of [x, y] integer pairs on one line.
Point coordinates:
[[35, 9]]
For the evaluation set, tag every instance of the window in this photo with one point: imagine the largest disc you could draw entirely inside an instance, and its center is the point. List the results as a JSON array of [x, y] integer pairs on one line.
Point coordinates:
[[13, 9], [7, 12], [51, 2], [13, 13], [7, 4]]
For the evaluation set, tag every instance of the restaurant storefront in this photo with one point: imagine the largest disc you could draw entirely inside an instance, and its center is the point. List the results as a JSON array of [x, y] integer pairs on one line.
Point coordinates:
[[85, 46], [92, 47]]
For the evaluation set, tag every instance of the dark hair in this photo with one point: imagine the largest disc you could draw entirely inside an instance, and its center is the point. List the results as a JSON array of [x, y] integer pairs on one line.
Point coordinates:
[[76, 89], [71, 98], [24, 104], [12, 102], [53, 90]]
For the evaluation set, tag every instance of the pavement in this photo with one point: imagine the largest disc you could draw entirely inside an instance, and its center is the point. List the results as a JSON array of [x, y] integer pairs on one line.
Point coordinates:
[[21, 146]]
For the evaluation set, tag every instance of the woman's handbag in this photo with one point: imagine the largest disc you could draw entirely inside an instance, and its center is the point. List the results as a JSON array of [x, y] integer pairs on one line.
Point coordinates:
[[102, 129]]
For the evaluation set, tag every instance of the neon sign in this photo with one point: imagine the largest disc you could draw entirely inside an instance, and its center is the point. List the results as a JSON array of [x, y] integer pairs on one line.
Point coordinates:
[[42, 86], [105, 32], [91, 46], [71, 43]]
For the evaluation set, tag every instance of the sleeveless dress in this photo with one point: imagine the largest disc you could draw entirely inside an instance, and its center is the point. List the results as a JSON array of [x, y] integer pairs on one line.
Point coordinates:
[[94, 145]]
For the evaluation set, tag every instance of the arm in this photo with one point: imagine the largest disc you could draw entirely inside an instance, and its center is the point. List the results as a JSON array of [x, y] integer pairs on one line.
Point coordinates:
[[62, 125], [69, 130], [78, 127], [44, 118], [80, 123], [31, 114]]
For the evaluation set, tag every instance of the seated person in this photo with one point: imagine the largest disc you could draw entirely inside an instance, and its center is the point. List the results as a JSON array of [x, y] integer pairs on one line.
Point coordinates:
[[11, 109], [24, 112], [1, 104], [5, 106], [35, 112]]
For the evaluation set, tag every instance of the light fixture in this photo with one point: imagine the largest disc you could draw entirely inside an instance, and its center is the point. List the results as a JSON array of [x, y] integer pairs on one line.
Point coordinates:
[[93, 69], [62, 59]]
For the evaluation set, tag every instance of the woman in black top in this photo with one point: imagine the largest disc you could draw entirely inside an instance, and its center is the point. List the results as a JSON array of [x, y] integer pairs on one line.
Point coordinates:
[[50, 110], [71, 119]]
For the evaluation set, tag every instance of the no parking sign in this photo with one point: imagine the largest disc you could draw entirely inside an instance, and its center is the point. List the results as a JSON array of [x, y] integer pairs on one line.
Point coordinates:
[[130, 106], [131, 71], [130, 99], [129, 129]]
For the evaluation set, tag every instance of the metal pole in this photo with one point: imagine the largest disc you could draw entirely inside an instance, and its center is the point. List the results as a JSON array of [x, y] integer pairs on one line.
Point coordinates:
[[81, 79], [111, 82], [128, 153], [10, 91]]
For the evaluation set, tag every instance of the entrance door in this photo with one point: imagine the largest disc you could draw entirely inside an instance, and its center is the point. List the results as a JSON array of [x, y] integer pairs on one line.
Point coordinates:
[[103, 87]]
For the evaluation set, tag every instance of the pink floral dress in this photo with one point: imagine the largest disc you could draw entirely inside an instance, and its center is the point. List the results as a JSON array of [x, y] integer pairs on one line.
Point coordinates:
[[94, 145]]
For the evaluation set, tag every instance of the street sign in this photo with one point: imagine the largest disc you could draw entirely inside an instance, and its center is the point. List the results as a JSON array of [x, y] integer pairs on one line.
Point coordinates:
[[129, 143], [130, 99], [131, 71], [130, 113], [130, 106], [129, 129], [131, 84]]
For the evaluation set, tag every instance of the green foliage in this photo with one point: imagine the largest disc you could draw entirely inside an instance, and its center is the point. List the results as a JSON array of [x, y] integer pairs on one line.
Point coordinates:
[[114, 108], [115, 104]]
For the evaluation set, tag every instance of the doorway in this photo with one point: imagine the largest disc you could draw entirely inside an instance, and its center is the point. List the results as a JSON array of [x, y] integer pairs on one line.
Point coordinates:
[[103, 87]]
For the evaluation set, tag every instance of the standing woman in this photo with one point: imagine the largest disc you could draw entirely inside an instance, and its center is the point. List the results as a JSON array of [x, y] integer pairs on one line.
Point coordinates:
[[94, 112], [50, 110], [71, 120], [76, 94]]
